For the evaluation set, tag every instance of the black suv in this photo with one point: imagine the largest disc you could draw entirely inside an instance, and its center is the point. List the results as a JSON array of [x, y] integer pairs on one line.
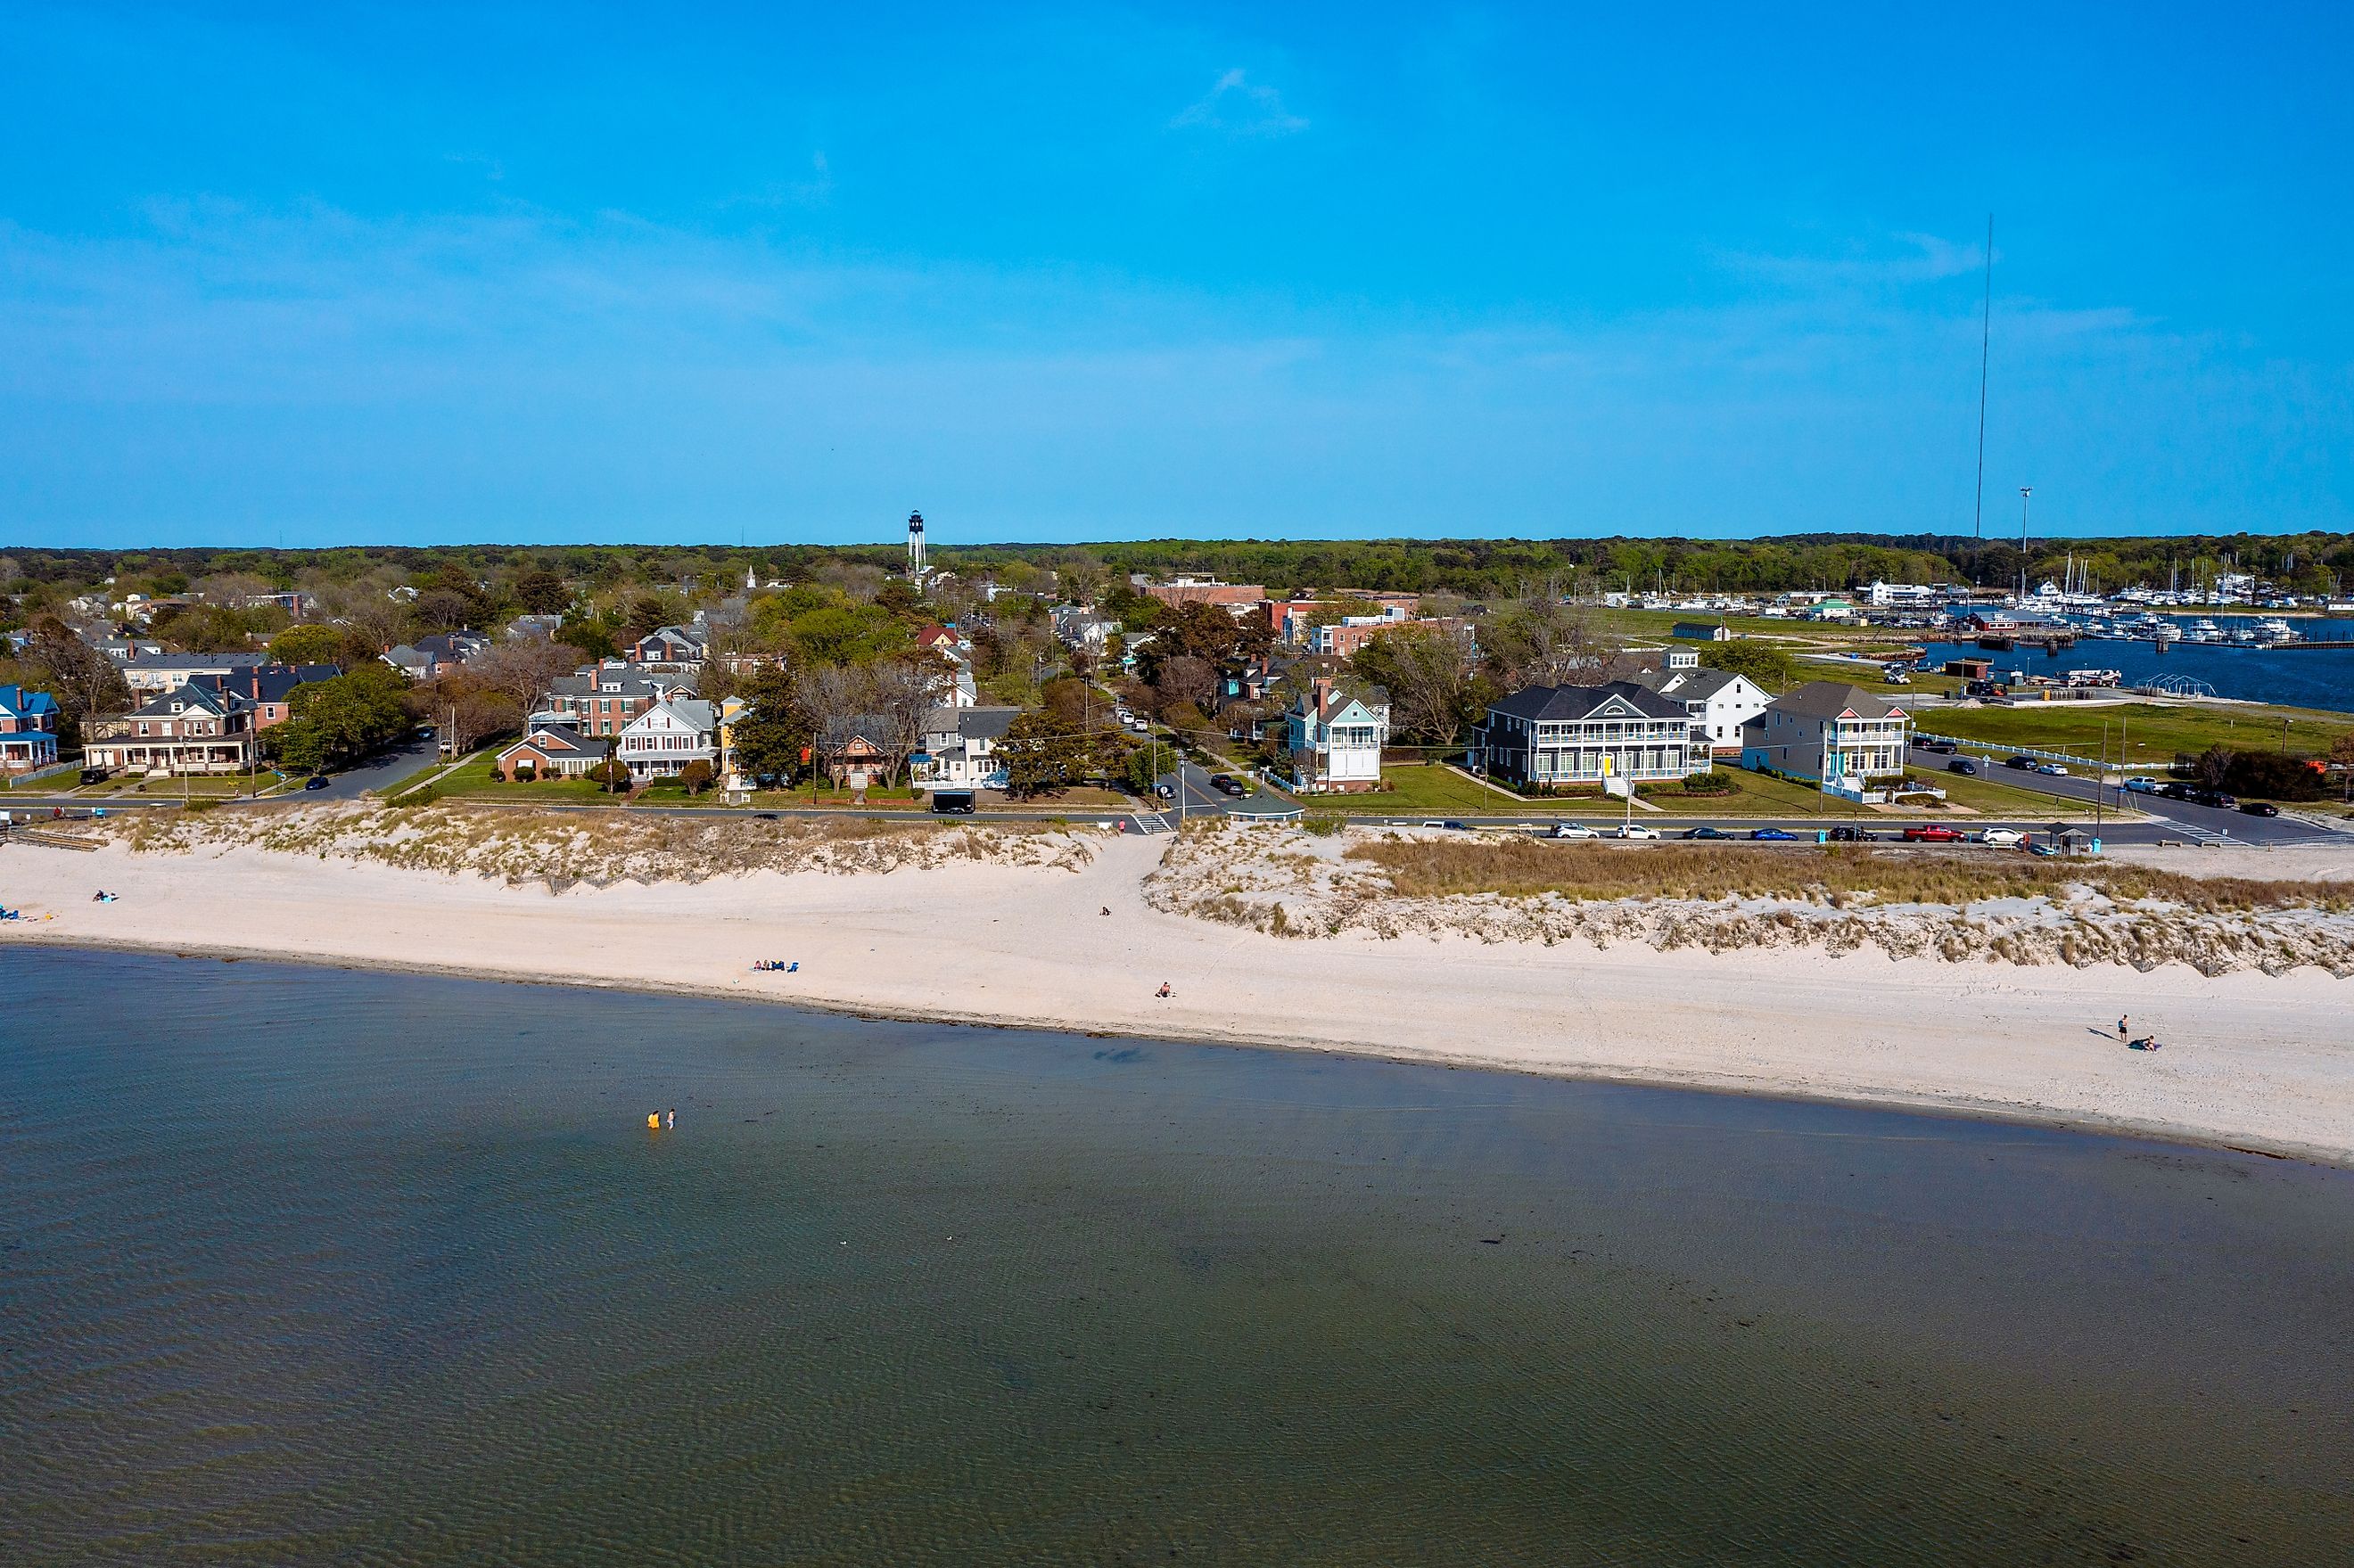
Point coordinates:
[[1962, 765], [2027, 762], [1846, 836]]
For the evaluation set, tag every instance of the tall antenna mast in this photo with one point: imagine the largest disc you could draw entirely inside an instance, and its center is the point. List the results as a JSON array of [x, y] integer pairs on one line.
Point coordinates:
[[1986, 340]]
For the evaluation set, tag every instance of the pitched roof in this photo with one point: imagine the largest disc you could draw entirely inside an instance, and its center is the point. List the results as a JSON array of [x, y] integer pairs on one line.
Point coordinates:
[[1376, 699], [191, 695], [22, 702], [1690, 685], [1835, 699], [1556, 704], [985, 724], [269, 682]]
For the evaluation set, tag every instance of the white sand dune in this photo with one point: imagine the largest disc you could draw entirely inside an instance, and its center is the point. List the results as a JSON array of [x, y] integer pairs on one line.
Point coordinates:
[[2249, 1060]]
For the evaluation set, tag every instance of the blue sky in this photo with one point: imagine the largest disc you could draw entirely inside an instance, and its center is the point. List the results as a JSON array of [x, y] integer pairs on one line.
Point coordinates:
[[411, 273]]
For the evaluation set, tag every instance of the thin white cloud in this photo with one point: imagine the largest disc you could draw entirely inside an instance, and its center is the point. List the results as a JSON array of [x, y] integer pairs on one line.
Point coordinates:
[[1240, 107]]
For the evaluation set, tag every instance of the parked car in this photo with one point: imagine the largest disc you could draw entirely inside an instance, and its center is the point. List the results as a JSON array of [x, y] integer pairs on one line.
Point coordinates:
[[2003, 838], [1164, 791], [2174, 789], [1963, 765], [1637, 831], [1227, 784], [2043, 850], [2141, 786], [95, 775], [766, 816], [1570, 831], [1775, 835], [2052, 770], [1849, 835], [1939, 747], [2259, 809], [2025, 763], [2217, 799], [1706, 834], [1932, 833], [316, 781]]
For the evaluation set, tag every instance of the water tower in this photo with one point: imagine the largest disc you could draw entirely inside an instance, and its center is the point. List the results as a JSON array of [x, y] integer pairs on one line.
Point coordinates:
[[915, 543]]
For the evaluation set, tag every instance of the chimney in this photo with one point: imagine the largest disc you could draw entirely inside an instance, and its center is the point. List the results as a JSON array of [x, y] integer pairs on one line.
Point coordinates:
[[1323, 695]]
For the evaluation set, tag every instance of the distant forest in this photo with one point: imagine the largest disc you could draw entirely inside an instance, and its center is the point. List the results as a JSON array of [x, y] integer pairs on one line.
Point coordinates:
[[1475, 568]]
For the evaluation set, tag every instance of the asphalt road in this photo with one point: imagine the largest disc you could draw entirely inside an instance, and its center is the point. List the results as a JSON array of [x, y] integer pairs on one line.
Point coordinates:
[[385, 769], [2175, 818]]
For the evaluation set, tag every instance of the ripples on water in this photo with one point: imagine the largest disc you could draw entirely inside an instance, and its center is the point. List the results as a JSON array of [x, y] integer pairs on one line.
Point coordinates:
[[305, 1265]]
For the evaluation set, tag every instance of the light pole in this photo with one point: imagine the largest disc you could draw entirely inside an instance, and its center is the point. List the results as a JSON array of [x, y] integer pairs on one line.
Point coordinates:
[[2024, 491]]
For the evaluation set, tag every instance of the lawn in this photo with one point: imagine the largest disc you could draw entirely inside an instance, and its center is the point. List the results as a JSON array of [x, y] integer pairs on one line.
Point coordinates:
[[2151, 733], [472, 778], [1427, 787], [199, 788], [1440, 791]]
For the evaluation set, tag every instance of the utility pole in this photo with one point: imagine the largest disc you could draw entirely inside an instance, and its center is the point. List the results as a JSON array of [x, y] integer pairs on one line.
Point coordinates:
[[2024, 491]]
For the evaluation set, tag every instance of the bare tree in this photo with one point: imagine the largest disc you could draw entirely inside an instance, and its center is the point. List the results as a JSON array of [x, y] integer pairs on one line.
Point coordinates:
[[1544, 643], [524, 668], [900, 694], [1428, 679], [1185, 679]]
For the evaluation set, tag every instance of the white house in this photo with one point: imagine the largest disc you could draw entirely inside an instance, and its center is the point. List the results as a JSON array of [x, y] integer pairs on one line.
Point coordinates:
[[1718, 701], [962, 744], [660, 742], [1336, 737]]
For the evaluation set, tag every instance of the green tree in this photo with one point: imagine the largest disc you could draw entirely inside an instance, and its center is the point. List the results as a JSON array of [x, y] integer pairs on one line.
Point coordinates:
[[1769, 666], [771, 734], [1041, 755], [318, 644], [542, 592], [335, 723]]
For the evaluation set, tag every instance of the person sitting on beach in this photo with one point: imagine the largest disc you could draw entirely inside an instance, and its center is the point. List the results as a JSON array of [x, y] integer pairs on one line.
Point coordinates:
[[1164, 993], [1107, 908]]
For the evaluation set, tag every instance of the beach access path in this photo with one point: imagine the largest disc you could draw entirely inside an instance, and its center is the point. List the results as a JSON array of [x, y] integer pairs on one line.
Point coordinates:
[[2249, 1060]]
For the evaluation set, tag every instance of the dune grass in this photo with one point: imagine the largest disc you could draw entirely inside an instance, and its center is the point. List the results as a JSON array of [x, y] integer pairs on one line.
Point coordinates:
[[1524, 868]]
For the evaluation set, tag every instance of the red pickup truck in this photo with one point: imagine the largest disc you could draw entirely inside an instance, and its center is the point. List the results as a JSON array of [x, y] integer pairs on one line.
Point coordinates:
[[1932, 833]]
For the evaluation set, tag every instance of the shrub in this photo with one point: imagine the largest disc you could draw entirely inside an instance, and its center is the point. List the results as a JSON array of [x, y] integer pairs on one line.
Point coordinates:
[[1322, 824], [525, 773], [696, 777], [499, 778], [1716, 782]]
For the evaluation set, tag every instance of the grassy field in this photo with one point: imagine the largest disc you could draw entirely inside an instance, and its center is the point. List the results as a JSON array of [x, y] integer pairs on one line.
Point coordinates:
[[2151, 732], [472, 778]]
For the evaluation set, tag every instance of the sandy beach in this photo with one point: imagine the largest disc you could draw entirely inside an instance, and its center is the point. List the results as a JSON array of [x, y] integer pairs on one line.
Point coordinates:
[[2249, 1060]]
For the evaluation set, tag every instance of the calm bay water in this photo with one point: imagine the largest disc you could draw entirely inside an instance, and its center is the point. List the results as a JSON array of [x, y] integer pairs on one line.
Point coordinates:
[[305, 1265], [2316, 678]]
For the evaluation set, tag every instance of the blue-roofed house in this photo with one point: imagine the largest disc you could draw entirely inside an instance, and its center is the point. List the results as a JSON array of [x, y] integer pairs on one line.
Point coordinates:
[[28, 730]]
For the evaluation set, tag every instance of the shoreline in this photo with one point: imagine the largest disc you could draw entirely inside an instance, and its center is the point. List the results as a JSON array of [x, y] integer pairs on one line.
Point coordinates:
[[2254, 1065], [1991, 1112]]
